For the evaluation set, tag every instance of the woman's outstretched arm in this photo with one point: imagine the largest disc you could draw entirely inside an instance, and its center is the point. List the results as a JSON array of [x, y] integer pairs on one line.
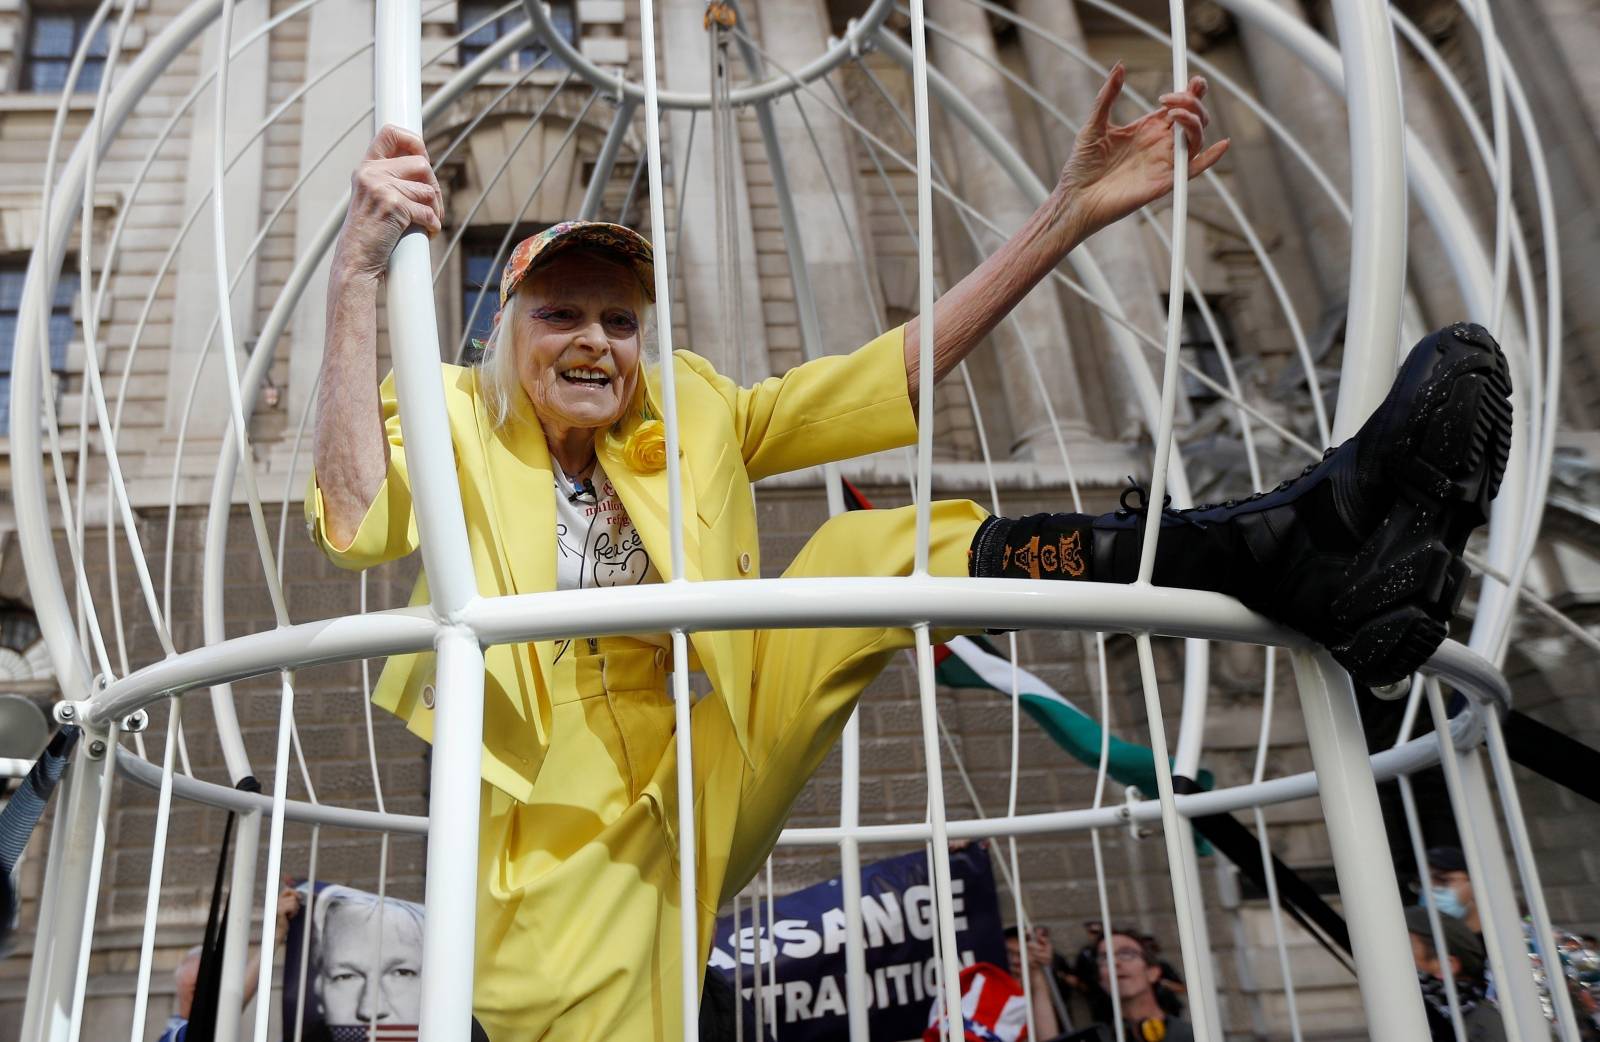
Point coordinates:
[[1114, 170]]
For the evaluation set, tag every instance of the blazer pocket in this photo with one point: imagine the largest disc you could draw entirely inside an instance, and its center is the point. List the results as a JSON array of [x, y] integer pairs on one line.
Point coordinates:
[[713, 490]]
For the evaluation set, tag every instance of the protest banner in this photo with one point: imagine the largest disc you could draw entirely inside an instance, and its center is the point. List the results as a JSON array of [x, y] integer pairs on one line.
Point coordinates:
[[803, 992], [363, 967]]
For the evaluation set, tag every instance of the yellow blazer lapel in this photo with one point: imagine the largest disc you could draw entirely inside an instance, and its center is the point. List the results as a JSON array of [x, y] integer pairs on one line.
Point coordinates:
[[521, 489], [645, 494]]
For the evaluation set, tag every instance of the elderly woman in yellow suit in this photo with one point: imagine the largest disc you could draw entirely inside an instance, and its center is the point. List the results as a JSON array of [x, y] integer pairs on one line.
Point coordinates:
[[559, 453]]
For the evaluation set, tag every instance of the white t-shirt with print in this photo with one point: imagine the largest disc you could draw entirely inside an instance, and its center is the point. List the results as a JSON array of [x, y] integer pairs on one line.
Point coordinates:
[[596, 543]]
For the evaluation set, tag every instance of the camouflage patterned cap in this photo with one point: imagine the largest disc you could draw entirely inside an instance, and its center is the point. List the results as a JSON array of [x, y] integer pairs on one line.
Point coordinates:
[[624, 242]]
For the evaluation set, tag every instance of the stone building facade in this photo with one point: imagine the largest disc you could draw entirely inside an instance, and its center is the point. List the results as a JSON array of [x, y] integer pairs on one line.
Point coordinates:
[[735, 302]]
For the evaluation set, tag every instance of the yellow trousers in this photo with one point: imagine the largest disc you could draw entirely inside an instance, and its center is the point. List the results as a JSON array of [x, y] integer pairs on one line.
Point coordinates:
[[578, 923]]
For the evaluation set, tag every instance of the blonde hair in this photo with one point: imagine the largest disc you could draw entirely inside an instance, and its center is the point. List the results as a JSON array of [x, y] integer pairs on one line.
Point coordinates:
[[502, 386], [498, 379]]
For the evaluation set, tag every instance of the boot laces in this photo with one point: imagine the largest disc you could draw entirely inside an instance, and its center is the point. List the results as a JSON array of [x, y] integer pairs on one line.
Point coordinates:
[[1229, 504], [1141, 498]]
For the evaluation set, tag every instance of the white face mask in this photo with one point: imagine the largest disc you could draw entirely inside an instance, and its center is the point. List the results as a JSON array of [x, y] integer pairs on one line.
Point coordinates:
[[1446, 900]]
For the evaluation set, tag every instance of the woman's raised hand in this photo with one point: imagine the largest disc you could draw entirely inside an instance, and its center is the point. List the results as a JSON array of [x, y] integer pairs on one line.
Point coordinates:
[[393, 189], [1117, 168]]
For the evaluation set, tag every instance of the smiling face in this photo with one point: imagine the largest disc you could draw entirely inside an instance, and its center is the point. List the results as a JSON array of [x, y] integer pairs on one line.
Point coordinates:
[[577, 340]]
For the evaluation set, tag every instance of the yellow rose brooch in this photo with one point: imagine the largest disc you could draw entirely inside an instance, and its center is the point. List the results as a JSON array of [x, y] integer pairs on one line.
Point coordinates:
[[646, 448]]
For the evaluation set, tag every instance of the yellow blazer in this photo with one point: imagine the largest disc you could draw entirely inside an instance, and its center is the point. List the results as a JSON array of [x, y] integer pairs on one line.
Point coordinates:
[[829, 409]]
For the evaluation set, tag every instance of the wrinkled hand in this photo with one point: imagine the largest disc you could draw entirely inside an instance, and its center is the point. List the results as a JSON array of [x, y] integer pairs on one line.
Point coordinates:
[[393, 189], [1117, 168]]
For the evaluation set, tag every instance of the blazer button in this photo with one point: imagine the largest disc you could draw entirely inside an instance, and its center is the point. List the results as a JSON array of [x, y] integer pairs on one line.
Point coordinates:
[[661, 659], [744, 564], [427, 696]]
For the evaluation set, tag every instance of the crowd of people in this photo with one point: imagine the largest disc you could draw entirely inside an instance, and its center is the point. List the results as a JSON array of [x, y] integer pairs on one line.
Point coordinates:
[[1069, 993], [1450, 888], [1072, 992]]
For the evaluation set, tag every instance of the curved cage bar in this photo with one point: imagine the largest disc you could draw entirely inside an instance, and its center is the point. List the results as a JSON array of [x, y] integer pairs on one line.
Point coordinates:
[[848, 171]]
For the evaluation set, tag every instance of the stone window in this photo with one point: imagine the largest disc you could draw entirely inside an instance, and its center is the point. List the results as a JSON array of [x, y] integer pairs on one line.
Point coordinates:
[[563, 14], [1200, 350], [13, 273], [54, 34]]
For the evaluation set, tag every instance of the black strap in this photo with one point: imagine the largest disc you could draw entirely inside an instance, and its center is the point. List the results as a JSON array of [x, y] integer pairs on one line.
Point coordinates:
[[208, 981], [1553, 754], [1240, 846]]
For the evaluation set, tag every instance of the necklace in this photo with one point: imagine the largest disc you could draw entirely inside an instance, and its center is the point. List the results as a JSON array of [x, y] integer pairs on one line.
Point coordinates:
[[572, 489]]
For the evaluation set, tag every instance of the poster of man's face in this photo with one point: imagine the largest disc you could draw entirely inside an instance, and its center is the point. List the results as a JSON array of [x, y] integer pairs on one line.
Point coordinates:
[[363, 968]]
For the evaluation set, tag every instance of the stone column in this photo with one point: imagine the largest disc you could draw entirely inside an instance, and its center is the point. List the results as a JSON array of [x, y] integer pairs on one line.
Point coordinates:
[[196, 301], [1565, 97], [1316, 117], [981, 181], [794, 33], [686, 66], [1432, 117], [1121, 249]]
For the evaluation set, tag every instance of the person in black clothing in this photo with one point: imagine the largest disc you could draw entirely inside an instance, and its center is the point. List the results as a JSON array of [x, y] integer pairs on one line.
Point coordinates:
[[1478, 1017], [718, 1009]]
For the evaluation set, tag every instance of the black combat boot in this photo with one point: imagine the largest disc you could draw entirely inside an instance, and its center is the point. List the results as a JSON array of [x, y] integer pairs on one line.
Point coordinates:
[[1361, 552]]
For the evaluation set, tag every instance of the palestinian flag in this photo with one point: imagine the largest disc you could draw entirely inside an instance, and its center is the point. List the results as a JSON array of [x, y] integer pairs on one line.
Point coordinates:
[[972, 664]]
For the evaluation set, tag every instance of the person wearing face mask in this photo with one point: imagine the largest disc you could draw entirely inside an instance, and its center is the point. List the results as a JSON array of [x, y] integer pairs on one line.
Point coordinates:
[[1451, 887]]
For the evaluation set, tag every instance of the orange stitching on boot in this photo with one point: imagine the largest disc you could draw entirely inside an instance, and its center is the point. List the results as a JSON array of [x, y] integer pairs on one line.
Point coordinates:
[[1071, 551], [1030, 558]]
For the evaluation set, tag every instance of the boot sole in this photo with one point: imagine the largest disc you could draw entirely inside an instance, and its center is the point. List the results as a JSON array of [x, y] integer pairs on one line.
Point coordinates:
[[1446, 468]]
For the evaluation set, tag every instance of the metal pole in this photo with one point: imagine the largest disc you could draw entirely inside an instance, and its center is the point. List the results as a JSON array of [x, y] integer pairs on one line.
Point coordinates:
[[1528, 868], [55, 967], [452, 882], [55, 859], [1491, 882], [1378, 201], [855, 950], [688, 834], [450, 930], [1361, 856], [688, 839]]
